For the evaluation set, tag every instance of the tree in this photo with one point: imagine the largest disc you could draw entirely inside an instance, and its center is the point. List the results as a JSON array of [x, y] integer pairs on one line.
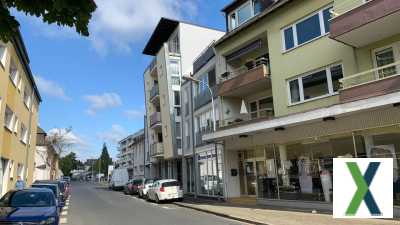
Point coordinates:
[[104, 160], [59, 139], [68, 163], [71, 13]]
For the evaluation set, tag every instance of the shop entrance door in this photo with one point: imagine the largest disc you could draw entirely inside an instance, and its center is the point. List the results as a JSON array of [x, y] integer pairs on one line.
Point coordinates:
[[254, 170]]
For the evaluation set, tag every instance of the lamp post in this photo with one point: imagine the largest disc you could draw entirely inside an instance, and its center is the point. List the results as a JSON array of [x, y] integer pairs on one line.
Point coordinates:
[[214, 119], [212, 98]]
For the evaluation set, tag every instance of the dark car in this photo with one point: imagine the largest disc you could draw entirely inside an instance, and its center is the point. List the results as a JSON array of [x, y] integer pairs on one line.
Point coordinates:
[[29, 206], [61, 186], [56, 191], [132, 187]]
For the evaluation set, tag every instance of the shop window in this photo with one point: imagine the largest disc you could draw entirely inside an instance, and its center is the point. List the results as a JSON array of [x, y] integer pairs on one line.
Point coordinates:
[[210, 177]]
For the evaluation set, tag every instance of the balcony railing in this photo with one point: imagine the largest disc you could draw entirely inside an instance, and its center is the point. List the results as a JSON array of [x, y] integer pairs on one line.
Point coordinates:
[[155, 91], [379, 81], [204, 98], [156, 149], [155, 119], [251, 77], [373, 75], [266, 114], [203, 131]]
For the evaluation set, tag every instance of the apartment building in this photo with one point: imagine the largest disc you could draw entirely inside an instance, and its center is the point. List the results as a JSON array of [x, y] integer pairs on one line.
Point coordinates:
[[19, 108], [203, 162], [173, 46], [46, 166], [132, 155], [301, 83]]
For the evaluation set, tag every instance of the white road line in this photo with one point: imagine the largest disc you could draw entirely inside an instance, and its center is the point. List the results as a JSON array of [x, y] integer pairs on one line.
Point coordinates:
[[63, 221], [64, 213], [65, 208]]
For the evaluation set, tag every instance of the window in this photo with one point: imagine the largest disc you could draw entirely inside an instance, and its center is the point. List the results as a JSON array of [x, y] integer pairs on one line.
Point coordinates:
[[246, 11], [3, 51], [14, 73], [177, 100], [8, 119], [385, 57], [24, 134], [174, 67], [262, 108], [320, 83], [27, 97], [307, 29], [202, 85], [173, 44]]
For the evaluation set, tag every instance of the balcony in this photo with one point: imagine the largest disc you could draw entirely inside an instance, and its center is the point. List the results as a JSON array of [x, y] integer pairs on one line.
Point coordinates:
[[155, 120], [157, 150], [155, 94], [204, 98], [359, 23], [153, 68], [199, 134], [253, 77], [379, 81]]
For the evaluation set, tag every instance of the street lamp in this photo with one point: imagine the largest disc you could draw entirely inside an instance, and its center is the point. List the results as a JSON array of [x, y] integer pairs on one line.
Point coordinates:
[[212, 97]]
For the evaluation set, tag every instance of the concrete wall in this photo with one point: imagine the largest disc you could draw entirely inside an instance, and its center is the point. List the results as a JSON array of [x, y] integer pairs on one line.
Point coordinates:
[[232, 183]]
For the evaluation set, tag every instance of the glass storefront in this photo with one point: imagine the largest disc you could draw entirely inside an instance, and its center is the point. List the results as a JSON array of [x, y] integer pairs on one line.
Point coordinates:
[[189, 175], [209, 169], [303, 170]]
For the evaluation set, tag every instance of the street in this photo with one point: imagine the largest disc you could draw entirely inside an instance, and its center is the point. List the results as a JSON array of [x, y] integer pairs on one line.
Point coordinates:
[[95, 205]]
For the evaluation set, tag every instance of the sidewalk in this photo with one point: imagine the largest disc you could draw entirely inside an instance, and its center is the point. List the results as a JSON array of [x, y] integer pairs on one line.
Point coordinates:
[[261, 215]]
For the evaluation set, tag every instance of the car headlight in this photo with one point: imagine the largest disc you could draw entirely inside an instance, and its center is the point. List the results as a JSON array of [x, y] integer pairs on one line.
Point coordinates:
[[50, 220]]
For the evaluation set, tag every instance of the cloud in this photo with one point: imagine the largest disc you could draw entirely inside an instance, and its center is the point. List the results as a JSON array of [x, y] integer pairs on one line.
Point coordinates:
[[134, 114], [114, 135], [119, 23], [102, 101], [51, 88]]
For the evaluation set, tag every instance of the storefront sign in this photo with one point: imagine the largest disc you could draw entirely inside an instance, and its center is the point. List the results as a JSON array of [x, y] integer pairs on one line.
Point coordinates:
[[363, 188]]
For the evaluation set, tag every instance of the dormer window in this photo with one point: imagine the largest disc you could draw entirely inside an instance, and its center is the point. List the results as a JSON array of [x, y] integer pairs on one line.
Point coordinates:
[[246, 11]]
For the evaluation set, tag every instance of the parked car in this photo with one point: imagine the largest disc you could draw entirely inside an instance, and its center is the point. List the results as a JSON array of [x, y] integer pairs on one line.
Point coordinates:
[[132, 187], [119, 178], [61, 185], [29, 206], [145, 186], [162, 190], [56, 191]]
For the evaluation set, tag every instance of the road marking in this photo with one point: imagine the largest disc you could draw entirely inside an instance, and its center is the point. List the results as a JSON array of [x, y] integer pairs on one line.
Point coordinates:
[[64, 213], [65, 208], [63, 220]]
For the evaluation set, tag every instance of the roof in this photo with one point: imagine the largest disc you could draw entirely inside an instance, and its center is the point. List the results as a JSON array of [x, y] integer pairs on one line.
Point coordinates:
[[40, 130], [161, 34], [253, 20], [20, 48], [233, 5]]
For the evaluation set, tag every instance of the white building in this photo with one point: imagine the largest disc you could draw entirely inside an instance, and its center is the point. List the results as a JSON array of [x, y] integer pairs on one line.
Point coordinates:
[[131, 154], [174, 46]]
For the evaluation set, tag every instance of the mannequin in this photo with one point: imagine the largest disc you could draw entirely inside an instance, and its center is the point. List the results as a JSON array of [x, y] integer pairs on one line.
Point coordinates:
[[305, 178]]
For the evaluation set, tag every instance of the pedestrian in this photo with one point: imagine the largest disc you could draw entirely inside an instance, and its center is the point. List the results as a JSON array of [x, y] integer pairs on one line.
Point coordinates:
[[20, 184]]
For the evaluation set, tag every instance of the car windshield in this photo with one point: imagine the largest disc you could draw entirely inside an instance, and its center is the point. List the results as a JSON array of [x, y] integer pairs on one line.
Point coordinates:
[[32, 199], [171, 184], [51, 187], [149, 181], [137, 182]]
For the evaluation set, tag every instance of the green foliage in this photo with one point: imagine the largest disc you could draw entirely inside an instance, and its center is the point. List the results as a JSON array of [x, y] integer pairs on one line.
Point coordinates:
[[69, 163], [105, 160], [71, 13]]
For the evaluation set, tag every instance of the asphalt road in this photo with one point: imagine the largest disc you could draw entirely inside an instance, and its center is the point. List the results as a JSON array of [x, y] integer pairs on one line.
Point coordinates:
[[94, 205]]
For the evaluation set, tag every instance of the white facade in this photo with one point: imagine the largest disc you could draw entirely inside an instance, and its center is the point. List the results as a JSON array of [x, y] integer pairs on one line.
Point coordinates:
[[131, 155]]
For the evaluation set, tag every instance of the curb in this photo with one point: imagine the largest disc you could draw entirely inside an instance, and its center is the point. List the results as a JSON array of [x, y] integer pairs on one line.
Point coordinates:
[[220, 214]]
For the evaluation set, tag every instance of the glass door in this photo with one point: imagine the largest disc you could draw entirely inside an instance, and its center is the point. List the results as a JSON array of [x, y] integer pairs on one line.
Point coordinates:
[[261, 175], [251, 182]]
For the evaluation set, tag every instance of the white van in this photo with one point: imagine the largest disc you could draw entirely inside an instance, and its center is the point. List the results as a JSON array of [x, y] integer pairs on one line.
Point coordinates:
[[119, 178]]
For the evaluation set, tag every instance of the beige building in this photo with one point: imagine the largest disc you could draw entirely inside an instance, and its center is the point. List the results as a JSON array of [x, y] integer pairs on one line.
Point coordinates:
[[174, 46], [303, 82], [19, 108], [46, 159]]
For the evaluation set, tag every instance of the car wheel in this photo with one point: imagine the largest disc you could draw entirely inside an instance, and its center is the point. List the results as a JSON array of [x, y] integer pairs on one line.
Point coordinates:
[[140, 194], [157, 200]]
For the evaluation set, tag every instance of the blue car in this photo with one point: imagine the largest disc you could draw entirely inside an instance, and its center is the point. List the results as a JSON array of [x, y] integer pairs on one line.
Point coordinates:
[[31, 206]]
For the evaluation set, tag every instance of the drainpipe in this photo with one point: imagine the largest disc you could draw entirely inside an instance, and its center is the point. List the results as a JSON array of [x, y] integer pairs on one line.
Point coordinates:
[[29, 137]]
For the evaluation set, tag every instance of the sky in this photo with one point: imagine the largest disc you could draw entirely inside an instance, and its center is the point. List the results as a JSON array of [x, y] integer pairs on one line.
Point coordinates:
[[95, 84]]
